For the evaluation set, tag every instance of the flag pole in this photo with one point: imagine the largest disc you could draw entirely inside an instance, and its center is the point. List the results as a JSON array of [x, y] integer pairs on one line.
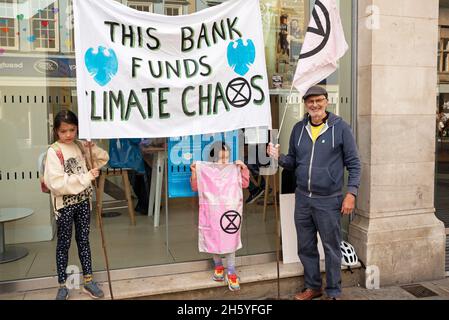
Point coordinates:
[[277, 213], [278, 231], [274, 164], [285, 112]]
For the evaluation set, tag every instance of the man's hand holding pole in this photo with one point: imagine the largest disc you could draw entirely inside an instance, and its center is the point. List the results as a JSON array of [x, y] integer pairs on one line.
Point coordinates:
[[273, 150]]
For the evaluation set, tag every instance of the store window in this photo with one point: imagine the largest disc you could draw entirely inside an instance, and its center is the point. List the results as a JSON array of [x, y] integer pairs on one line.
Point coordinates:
[[442, 155], [442, 120], [285, 23], [9, 29], [44, 26], [33, 90]]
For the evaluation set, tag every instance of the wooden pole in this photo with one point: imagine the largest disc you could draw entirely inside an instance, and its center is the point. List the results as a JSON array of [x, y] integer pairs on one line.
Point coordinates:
[[100, 220]]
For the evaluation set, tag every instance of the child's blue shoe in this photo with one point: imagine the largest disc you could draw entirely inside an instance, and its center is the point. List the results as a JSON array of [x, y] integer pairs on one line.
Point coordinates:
[[92, 289], [63, 293]]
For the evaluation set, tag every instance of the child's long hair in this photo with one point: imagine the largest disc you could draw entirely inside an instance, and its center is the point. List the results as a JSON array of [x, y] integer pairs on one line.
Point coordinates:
[[215, 149], [66, 116]]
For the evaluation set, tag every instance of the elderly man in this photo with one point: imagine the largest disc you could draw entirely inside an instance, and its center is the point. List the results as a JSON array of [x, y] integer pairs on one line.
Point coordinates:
[[321, 146]]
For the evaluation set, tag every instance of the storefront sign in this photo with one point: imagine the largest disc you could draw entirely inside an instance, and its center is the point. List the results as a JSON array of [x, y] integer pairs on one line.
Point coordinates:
[[49, 67], [147, 75]]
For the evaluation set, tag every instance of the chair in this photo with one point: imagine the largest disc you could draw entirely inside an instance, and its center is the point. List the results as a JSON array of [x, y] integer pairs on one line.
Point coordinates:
[[110, 172]]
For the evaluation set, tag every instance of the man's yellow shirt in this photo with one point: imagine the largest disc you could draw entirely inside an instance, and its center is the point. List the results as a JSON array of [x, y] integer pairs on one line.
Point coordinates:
[[316, 131]]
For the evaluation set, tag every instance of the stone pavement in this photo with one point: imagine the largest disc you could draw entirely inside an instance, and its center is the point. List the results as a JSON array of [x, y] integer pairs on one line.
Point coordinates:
[[438, 290]]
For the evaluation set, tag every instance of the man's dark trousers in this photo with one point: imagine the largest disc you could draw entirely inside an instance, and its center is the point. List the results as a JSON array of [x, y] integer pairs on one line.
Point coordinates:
[[322, 215]]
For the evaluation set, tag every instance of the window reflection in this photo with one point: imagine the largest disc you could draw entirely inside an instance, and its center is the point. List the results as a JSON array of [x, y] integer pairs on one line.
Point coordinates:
[[44, 26], [284, 24], [9, 37], [141, 6]]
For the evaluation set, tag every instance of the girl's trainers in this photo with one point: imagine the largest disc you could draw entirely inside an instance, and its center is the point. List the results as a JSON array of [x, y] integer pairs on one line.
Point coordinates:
[[218, 273], [63, 293], [233, 282], [92, 289]]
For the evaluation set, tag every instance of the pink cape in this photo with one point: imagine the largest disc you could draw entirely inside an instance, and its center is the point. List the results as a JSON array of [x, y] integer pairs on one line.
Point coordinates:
[[220, 207]]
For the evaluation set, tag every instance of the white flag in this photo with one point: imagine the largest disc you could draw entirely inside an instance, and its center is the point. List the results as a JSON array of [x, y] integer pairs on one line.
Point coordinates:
[[324, 44]]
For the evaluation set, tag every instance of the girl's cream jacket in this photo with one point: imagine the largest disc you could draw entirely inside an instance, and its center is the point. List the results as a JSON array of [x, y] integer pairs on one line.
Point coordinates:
[[71, 184]]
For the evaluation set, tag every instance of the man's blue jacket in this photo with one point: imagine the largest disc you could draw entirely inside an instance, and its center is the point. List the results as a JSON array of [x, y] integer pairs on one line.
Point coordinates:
[[319, 167]]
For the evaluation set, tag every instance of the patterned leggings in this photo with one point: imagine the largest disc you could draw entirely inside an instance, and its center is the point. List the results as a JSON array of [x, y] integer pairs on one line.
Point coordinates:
[[80, 214], [230, 261]]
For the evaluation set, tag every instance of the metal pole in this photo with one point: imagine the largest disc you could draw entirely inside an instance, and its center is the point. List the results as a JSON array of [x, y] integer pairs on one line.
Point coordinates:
[[278, 237], [285, 112], [274, 164]]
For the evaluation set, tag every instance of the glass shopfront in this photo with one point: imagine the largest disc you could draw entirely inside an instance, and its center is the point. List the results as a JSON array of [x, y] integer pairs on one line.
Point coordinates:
[[442, 157], [442, 120], [37, 79]]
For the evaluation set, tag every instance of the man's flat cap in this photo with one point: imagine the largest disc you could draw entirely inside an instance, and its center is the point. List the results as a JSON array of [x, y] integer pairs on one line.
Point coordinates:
[[315, 91]]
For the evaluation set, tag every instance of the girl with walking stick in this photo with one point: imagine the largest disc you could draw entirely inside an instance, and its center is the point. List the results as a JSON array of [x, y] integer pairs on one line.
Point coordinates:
[[68, 178]]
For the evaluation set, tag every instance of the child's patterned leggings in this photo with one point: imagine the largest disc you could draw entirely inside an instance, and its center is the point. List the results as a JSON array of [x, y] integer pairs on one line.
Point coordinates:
[[230, 261], [80, 214]]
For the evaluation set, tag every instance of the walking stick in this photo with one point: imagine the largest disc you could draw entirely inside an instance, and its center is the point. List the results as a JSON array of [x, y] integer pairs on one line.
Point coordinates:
[[100, 220]]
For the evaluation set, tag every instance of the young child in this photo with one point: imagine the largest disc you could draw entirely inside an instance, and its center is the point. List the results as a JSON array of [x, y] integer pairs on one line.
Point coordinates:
[[212, 219], [71, 194]]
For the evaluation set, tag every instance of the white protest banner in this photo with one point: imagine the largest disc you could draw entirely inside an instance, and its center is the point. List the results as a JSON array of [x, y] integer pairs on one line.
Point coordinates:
[[144, 75]]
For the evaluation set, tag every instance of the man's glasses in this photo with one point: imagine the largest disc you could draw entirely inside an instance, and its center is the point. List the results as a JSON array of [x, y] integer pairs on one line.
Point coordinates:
[[311, 102]]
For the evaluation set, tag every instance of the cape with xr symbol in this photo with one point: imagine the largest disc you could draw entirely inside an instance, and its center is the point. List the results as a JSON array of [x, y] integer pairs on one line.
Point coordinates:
[[220, 207]]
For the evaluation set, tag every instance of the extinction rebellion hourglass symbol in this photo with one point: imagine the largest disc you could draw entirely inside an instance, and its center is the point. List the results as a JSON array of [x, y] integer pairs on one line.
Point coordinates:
[[238, 93], [322, 30], [230, 222]]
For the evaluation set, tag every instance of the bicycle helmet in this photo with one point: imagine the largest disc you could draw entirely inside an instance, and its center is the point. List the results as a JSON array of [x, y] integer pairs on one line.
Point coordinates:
[[348, 256]]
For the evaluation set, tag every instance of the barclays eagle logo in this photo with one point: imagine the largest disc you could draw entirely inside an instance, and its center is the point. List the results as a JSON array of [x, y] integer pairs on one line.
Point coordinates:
[[240, 56], [102, 64]]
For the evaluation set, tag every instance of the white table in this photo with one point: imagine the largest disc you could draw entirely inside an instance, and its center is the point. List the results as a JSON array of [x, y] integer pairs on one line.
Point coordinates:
[[11, 253], [267, 173], [157, 176]]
